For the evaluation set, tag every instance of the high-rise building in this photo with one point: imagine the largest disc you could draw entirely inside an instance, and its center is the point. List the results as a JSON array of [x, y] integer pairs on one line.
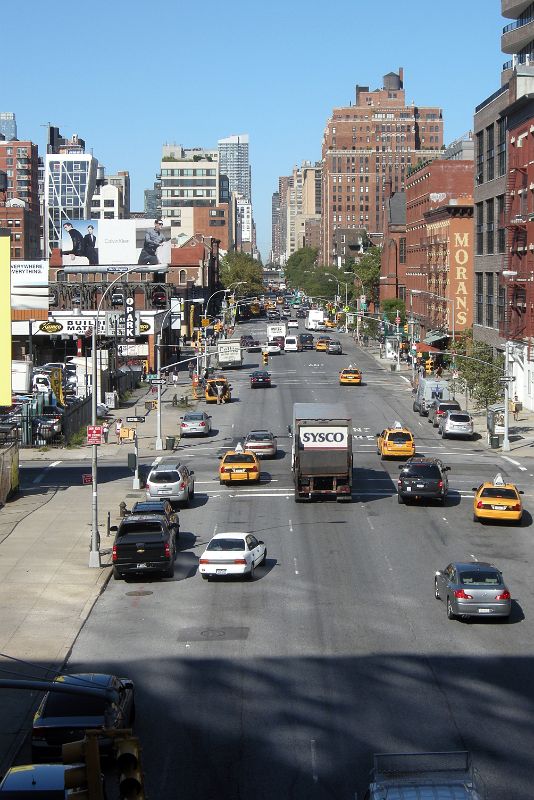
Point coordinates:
[[189, 178], [275, 228], [285, 184], [70, 180], [122, 181], [152, 201], [304, 203], [8, 125], [234, 162], [19, 204], [367, 145]]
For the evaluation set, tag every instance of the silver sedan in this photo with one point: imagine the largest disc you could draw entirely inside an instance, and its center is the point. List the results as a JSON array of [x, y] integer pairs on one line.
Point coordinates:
[[472, 589], [262, 443], [195, 423], [456, 423]]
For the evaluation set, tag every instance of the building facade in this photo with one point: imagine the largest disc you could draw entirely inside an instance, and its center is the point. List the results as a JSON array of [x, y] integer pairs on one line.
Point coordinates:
[[19, 202], [234, 163], [365, 146], [8, 125]]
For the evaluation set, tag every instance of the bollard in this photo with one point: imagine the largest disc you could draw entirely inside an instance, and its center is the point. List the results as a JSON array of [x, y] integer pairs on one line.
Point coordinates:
[[123, 511]]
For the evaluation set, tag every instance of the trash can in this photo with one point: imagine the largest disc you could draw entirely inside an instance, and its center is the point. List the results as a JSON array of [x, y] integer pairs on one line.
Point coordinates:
[[494, 441], [169, 442], [394, 367]]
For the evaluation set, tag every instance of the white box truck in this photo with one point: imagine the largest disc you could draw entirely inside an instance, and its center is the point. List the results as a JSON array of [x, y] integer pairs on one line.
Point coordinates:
[[229, 354], [278, 329], [315, 317], [21, 377]]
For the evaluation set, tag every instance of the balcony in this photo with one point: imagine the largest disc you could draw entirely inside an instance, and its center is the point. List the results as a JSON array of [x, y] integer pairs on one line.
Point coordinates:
[[517, 35], [513, 8]]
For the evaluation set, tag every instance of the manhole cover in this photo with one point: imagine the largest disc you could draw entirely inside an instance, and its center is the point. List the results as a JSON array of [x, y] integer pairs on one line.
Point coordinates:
[[211, 634], [139, 593]]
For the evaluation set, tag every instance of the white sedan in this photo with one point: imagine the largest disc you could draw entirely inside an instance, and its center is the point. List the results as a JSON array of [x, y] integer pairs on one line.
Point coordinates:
[[232, 554], [293, 323], [273, 348]]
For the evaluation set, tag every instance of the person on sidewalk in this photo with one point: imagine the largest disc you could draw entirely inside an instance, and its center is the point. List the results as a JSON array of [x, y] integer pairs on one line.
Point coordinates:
[[105, 432], [175, 378], [516, 408], [118, 429]]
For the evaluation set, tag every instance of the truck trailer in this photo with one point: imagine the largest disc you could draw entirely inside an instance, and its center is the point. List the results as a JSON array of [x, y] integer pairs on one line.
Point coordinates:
[[229, 354], [321, 455]]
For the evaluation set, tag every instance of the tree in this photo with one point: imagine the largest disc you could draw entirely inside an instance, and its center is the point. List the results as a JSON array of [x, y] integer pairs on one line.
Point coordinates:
[[237, 267], [392, 307], [479, 371], [368, 270]]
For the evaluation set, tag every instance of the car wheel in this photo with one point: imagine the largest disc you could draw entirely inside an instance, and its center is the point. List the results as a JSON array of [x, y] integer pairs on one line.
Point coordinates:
[[264, 559], [116, 574], [475, 518], [436, 590], [192, 495], [450, 612], [169, 573], [400, 499], [205, 577], [250, 575], [414, 407]]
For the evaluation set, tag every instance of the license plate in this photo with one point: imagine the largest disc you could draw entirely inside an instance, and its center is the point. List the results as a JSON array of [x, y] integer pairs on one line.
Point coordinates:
[[408, 488], [499, 508], [220, 571], [420, 486], [484, 610], [164, 491], [240, 470], [143, 565]]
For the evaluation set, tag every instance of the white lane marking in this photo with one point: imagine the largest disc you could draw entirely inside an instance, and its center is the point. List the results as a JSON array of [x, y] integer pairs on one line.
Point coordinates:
[[215, 528], [473, 556], [295, 566], [55, 463], [404, 378], [313, 747], [290, 526], [258, 494], [40, 477], [515, 463], [370, 524], [445, 520]]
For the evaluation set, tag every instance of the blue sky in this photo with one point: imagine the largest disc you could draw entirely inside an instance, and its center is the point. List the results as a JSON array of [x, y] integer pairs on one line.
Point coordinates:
[[128, 76]]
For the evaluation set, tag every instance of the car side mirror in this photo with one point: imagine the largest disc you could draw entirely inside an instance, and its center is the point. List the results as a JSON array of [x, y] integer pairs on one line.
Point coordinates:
[[181, 417], [114, 528], [474, 489], [447, 469], [289, 430], [377, 434], [191, 471], [401, 466], [219, 457], [521, 491], [261, 542]]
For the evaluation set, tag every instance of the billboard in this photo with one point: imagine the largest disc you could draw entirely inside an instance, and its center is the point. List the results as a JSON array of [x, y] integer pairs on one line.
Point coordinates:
[[29, 285], [115, 242]]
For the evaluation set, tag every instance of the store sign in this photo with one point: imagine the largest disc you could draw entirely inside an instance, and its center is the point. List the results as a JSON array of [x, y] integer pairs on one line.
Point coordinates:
[[461, 277], [112, 323], [117, 323], [133, 350], [131, 328]]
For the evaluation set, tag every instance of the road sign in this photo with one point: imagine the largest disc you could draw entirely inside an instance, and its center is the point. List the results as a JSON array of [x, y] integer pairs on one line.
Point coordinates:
[[158, 381], [135, 419], [87, 479], [94, 434]]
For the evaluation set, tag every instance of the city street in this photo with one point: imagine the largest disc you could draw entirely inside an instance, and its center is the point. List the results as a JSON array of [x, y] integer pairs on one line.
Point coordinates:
[[287, 685]]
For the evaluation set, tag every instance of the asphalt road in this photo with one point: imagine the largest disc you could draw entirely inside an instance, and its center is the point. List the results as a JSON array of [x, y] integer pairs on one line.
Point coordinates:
[[287, 685]]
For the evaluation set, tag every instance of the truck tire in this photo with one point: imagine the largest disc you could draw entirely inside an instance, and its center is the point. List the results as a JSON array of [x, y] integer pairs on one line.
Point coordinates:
[[116, 574], [298, 498], [400, 499], [415, 407], [169, 573]]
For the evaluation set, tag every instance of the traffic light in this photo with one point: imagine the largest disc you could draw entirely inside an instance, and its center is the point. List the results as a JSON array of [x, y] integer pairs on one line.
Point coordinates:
[[406, 329], [128, 757], [265, 358], [83, 779], [429, 365]]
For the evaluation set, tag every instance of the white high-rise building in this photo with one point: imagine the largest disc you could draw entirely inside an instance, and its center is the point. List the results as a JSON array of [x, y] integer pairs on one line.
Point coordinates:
[[234, 162], [189, 178]]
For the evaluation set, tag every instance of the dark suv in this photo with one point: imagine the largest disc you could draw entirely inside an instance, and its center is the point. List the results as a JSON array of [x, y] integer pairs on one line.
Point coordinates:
[[439, 408], [423, 477], [144, 543]]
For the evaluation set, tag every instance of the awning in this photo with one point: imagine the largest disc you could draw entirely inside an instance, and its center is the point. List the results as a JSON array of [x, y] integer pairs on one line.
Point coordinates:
[[435, 336], [421, 347]]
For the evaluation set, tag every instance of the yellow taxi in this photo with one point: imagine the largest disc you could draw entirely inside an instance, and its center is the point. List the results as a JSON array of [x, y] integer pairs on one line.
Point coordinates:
[[321, 344], [215, 387], [329, 323], [497, 500], [239, 466], [350, 377], [395, 442]]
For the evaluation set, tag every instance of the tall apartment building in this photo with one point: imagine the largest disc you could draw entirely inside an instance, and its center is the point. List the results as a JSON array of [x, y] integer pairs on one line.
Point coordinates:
[[19, 204], [189, 177], [122, 181], [303, 202], [275, 228], [504, 203], [285, 184], [234, 162], [70, 181], [108, 201], [367, 145], [8, 125]]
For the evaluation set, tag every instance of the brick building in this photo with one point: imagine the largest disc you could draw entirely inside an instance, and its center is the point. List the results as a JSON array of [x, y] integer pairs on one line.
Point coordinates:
[[19, 203], [366, 146]]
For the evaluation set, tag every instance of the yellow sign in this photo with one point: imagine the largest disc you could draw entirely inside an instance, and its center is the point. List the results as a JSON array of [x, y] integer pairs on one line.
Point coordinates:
[[56, 382], [5, 317], [205, 322]]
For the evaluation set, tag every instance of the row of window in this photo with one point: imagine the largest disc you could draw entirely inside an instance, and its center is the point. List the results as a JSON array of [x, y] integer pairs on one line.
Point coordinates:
[[490, 230], [177, 173], [189, 182], [486, 288], [22, 152], [107, 203], [490, 152]]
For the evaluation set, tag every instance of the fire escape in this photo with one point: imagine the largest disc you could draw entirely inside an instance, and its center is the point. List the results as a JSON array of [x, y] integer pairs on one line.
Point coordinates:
[[517, 320]]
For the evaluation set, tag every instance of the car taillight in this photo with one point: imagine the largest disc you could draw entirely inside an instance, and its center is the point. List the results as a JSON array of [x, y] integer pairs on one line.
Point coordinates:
[[114, 553], [39, 733], [224, 469], [399, 482], [167, 550], [204, 561], [480, 504], [461, 595], [201, 424], [182, 485], [239, 561], [440, 484], [503, 596], [517, 507]]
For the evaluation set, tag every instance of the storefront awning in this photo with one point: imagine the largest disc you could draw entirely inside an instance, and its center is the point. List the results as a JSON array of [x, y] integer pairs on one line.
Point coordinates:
[[435, 336], [421, 347]]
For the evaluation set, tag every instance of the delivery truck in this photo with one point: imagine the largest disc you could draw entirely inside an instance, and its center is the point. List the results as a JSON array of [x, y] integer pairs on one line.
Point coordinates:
[[279, 329], [321, 452], [315, 318], [229, 354]]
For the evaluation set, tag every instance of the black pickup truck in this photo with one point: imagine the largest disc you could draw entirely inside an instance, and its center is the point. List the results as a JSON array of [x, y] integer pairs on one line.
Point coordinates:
[[144, 543]]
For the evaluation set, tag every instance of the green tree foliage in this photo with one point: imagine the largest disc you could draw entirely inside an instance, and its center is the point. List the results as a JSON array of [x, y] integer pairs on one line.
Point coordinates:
[[300, 264], [391, 307], [479, 373], [237, 267], [368, 270]]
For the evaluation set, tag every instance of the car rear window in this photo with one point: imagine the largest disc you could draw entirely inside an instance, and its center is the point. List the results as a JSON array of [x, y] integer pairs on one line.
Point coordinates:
[[259, 437], [400, 437], [429, 471], [443, 407], [476, 577], [193, 417], [227, 544], [244, 458], [504, 494], [135, 528], [459, 418], [164, 477], [74, 705]]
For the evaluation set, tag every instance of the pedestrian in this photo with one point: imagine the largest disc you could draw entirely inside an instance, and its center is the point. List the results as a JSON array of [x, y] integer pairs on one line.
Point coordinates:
[[191, 368], [174, 378], [118, 429], [105, 432], [516, 408], [220, 390]]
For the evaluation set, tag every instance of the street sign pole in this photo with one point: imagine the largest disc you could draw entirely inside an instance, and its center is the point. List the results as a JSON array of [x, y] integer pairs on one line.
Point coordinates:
[[136, 482]]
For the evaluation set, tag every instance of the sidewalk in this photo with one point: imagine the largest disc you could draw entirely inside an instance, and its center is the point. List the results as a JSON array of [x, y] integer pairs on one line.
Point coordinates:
[[47, 589], [521, 431]]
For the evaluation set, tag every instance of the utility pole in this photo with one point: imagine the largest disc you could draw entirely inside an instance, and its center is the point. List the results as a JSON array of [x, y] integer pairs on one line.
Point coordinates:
[[507, 379]]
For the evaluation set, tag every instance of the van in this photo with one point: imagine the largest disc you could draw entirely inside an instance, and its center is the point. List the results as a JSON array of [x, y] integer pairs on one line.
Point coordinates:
[[292, 344], [427, 392]]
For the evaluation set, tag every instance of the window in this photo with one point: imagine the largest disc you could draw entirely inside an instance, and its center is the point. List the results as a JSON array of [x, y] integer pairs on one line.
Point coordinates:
[[402, 250], [489, 299], [109, 203], [479, 295], [501, 230], [500, 306], [108, 215], [183, 276], [490, 161], [501, 146], [479, 156], [490, 227], [479, 229]]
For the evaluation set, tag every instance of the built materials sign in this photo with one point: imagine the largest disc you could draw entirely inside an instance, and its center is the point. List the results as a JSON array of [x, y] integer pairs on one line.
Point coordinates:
[[29, 285], [330, 437]]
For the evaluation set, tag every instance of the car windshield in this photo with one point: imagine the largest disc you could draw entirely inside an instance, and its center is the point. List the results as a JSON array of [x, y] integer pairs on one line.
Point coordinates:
[[227, 544], [459, 418], [259, 437], [499, 492], [399, 437], [193, 417], [239, 458], [472, 577], [135, 528], [74, 705], [164, 477], [422, 471], [444, 407]]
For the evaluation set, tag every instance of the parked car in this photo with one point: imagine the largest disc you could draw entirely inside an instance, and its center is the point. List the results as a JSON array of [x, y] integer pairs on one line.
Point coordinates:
[[63, 718], [159, 508], [232, 554], [195, 423], [422, 478], [456, 423], [46, 781], [172, 480], [473, 589], [439, 408], [144, 543]]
